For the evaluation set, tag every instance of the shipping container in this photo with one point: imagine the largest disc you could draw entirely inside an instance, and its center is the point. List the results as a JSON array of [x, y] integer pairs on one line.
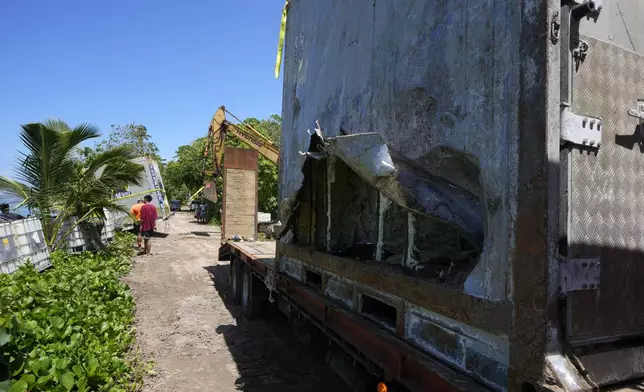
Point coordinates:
[[460, 190], [151, 184]]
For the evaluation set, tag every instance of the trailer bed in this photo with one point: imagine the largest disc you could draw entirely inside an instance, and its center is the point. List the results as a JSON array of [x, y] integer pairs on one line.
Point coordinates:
[[260, 255]]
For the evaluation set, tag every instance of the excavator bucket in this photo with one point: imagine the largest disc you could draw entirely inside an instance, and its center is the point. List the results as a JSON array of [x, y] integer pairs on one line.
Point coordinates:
[[210, 191]]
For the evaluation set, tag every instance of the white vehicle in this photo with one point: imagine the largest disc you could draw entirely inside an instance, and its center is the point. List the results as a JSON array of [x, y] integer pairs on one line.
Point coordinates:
[[151, 184]]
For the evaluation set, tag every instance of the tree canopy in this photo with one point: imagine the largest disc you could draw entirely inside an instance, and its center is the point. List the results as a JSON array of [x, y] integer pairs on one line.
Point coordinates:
[[55, 183], [135, 136], [183, 175]]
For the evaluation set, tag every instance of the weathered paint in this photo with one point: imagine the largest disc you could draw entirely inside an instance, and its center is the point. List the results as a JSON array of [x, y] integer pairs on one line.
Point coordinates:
[[291, 267], [383, 206], [340, 290], [425, 75], [474, 351], [410, 260], [330, 180], [566, 373], [441, 342]]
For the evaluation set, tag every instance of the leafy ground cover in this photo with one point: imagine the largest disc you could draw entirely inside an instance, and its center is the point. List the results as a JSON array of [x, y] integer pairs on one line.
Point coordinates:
[[70, 328]]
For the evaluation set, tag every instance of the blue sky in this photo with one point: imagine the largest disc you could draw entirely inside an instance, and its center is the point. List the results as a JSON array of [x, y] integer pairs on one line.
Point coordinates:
[[165, 64]]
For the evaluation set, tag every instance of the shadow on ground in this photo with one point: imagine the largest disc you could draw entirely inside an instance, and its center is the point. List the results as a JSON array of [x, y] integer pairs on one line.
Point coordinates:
[[268, 356]]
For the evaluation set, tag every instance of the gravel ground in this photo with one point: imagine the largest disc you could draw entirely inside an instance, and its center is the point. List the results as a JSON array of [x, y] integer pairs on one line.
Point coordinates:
[[188, 326]]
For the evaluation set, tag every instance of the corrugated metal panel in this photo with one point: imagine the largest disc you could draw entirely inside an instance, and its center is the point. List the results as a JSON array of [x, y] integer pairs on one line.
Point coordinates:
[[607, 196]]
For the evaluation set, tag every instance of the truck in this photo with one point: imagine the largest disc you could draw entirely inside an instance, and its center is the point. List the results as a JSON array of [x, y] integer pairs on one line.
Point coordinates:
[[460, 194], [152, 184]]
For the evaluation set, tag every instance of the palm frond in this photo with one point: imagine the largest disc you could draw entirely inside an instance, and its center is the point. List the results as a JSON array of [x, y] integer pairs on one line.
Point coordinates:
[[14, 188], [110, 156], [81, 133], [56, 125]]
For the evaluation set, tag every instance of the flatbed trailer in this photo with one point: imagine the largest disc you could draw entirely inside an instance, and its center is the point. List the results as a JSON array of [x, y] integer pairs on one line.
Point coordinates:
[[375, 352]]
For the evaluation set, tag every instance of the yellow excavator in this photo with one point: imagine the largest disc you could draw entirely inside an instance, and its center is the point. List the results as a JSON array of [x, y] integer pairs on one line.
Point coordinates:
[[219, 128]]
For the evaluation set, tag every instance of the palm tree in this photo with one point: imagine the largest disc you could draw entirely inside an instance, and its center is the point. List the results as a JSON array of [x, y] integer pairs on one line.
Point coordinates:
[[56, 185]]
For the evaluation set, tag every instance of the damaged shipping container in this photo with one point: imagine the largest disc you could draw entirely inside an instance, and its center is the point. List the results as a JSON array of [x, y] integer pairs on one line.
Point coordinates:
[[466, 175]]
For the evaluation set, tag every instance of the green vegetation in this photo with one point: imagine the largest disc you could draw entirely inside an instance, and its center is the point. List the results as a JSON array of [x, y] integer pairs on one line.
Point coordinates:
[[134, 136], [183, 175], [69, 328], [54, 180]]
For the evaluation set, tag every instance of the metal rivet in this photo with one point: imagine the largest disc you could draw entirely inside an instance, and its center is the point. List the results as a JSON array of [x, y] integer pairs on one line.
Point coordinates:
[[584, 286], [592, 286], [592, 142], [597, 264], [585, 141], [584, 264]]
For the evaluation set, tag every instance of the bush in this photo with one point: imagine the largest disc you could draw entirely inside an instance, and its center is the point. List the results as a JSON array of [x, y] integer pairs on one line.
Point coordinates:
[[69, 328]]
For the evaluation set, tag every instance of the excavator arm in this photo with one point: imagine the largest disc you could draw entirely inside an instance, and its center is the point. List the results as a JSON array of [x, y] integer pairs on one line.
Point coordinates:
[[220, 127]]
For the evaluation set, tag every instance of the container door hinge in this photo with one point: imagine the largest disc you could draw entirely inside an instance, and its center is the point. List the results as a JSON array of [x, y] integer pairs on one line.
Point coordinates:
[[638, 113], [585, 131], [577, 274]]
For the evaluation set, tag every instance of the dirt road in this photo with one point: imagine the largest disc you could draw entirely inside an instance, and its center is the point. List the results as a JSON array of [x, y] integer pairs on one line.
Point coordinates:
[[197, 338]]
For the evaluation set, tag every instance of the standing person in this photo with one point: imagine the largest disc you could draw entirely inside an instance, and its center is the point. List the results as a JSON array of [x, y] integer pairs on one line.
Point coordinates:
[[148, 222], [136, 213]]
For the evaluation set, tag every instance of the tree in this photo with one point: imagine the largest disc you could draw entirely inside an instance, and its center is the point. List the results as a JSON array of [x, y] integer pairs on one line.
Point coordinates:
[[133, 135], [183, 174], [185, 171], [55, 184]]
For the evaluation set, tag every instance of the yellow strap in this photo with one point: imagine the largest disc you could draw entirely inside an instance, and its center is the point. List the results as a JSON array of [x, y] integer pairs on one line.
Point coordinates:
[[196, 193], [280, 43], [138, 194]]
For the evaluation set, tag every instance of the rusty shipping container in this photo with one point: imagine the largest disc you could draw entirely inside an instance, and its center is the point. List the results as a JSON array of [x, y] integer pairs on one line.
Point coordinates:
[[467, 175]]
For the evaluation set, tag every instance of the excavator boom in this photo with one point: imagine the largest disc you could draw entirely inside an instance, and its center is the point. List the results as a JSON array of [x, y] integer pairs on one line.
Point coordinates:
[[220, 127]]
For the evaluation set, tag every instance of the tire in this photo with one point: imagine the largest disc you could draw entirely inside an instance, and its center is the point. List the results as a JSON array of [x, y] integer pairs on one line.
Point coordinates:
[[236, 279], [253, 295]]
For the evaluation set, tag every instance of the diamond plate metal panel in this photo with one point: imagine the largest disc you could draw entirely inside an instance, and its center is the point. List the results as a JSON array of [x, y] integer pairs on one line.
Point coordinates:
[[607, 197]]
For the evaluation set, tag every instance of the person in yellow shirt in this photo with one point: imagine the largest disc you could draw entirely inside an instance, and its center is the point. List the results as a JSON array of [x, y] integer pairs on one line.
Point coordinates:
[[136, 214]]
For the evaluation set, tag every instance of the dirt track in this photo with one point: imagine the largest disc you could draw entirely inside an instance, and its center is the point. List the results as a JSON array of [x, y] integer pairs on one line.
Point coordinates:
[[189, 328]]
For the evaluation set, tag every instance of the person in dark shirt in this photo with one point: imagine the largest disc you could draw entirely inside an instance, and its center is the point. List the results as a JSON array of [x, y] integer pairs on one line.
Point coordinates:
[[8, 215], [148, 222]]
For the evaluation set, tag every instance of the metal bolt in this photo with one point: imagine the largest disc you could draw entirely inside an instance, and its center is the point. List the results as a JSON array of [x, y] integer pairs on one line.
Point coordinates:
[[584, 286], [584, 264], [599, 144], [592, 286], [592, 142], [585, 141], [597, 264]]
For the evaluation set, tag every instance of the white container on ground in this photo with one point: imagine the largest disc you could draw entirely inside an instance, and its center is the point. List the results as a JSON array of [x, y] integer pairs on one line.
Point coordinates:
[[263, 217], [22, 241], [71, 235]]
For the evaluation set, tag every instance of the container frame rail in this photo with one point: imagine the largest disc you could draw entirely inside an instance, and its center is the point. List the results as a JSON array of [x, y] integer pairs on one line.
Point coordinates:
[[364, 354]]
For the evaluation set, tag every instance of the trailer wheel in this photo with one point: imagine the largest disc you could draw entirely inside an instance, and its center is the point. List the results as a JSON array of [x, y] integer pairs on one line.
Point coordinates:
[[253, 301], [236, 277]]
